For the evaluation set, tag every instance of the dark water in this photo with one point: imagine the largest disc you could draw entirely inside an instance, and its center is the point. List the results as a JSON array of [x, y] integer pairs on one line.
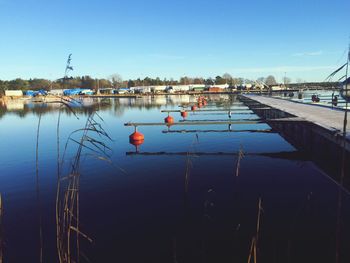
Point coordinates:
[[136, 208]]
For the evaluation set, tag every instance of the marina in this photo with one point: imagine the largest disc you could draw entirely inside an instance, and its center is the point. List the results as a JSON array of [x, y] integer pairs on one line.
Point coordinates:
[[174, 131]]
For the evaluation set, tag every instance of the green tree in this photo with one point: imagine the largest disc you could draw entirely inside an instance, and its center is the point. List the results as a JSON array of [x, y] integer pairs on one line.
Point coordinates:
[[184, 80], [18, 83], [88, 83], [37, 84], [3, 86], [105, 83], [209, 81], [219, 80], [131, 83]]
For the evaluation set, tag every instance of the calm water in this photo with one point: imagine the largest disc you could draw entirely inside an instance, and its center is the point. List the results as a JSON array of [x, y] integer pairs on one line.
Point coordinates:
[[136, 209]]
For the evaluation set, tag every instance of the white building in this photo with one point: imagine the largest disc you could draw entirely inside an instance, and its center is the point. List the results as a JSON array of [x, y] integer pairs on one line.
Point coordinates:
[[56, 92], [13, 93], [221, 86]]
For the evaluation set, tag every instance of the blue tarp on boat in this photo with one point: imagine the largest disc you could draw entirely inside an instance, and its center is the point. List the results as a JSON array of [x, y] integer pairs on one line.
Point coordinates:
[[77, 91], [35, 93]]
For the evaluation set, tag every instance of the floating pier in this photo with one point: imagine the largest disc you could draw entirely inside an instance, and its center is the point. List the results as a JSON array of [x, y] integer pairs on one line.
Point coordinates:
[[327, 118], [313, 129]]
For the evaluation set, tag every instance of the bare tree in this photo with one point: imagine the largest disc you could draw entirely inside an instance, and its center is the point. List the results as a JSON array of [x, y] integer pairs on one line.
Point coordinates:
[[286, 80], [260, 80], [270, 80], [300, 80], [116, 80]]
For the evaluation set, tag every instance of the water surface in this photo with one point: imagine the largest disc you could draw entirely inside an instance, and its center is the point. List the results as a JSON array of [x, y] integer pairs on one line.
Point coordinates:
[[141, 206]]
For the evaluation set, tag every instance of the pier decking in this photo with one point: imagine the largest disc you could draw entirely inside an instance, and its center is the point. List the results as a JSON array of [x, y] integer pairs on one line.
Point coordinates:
[[326, 117]]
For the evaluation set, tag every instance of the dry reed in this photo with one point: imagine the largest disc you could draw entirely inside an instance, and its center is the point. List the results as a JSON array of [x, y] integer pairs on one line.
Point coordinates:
[[68, 187], [255, 239], [240, 157]]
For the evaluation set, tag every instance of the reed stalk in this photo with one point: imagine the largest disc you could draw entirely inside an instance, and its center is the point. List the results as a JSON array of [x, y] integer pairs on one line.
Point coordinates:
[[240, 157], [68, 188], [255, 239]]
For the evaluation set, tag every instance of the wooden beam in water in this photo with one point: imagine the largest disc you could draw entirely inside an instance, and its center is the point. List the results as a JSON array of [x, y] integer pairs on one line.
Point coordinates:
[[293, 155], [209, 110], [219, 131], [235, 113], [224, 104], [290, 119], [190, 123], [256, 119]]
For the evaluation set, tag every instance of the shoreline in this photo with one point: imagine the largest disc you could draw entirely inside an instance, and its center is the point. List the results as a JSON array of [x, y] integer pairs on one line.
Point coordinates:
[[141, 95]]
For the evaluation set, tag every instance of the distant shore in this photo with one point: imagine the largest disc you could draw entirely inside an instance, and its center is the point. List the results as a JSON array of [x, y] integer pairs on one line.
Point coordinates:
[[140, 95]]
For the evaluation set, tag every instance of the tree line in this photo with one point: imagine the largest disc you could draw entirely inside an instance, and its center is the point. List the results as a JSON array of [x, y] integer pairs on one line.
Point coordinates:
[[116, 81]]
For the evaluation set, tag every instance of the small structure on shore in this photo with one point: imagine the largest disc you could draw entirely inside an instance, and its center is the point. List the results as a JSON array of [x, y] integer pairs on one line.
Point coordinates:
[[13, 93]]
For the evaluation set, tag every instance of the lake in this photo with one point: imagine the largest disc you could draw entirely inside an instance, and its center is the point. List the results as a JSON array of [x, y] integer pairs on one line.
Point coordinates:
[[188, 193]]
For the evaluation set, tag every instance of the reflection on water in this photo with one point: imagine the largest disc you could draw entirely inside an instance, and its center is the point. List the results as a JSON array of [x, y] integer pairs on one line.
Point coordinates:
[[178, 197]]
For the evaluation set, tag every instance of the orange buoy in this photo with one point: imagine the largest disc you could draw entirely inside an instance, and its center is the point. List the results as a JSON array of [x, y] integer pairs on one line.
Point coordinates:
[[137, 143], [169, 119], [136, 137], [184, 114], [193, 108]]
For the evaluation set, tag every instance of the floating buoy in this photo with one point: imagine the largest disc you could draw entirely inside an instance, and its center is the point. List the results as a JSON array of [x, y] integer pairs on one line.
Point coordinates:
[[184, 114], [137, 143], [193, 108], [169, 119], [136, 137]]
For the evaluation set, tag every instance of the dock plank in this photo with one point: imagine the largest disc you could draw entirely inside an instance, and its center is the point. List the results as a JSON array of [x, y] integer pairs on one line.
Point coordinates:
[[329, 118]]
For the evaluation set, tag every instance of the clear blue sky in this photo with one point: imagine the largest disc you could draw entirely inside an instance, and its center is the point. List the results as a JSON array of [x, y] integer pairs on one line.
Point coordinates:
[[306, 39]]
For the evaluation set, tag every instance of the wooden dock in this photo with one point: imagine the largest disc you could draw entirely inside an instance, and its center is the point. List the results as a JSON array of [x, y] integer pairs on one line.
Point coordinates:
[[313, 129], [331, 119]]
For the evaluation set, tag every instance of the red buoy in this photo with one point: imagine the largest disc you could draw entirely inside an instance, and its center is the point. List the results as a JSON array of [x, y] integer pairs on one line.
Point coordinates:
[[193, 108], [136, 137], [184, 114], [169, 119], [137, 143]]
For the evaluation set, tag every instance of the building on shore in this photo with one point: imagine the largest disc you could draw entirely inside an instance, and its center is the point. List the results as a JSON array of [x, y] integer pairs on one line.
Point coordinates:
[[13, 93], [55, 92]]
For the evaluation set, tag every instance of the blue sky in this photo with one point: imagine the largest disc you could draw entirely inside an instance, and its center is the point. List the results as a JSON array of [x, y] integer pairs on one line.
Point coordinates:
[[302, 39]]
